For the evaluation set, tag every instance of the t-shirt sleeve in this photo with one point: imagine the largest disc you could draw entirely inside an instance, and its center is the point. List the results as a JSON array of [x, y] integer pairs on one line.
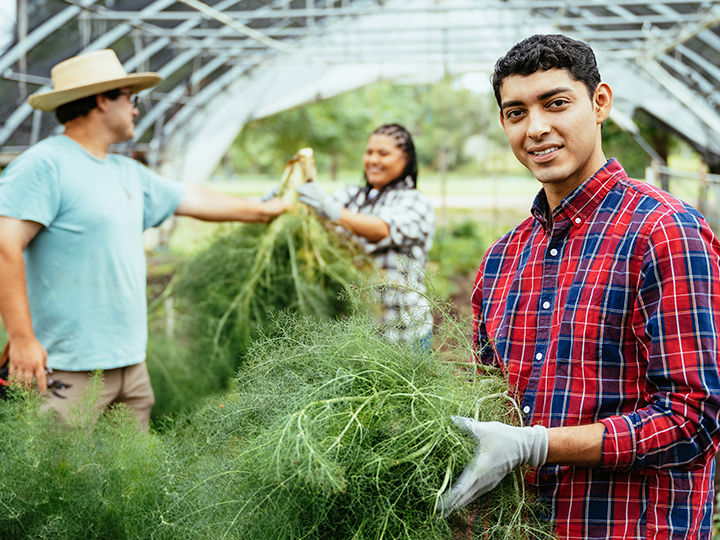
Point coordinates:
[[29, 189], [162, 197]]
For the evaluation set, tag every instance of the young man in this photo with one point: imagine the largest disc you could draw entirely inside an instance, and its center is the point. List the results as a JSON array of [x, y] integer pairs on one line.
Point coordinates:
[[72, 264], [603, 310]]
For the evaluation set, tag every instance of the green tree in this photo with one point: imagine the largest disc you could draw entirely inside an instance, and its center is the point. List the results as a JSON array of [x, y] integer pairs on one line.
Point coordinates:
[[451, 116], [438, 115], [336, 128], [622, 145]]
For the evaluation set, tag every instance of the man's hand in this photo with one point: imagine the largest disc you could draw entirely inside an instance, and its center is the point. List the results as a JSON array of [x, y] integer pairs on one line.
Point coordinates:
[[324, 204], [500, 449], [270, 194], [273, 207], [28, 359]]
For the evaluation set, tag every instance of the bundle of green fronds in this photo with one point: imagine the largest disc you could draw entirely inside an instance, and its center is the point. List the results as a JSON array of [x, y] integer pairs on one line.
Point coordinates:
[[296, 262], [91, 479], [331, 432]]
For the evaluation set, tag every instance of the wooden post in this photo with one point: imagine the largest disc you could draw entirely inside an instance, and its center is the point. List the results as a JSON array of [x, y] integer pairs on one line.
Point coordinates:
[[334, 165], [664, 180]]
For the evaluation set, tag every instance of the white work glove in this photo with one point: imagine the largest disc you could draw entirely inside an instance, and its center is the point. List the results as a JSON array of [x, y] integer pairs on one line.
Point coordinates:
[[324, 204], [500, 449], [270, 194]]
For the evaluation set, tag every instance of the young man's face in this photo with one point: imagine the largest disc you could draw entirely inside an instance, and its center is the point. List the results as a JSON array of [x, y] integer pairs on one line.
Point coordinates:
[[553, 127]]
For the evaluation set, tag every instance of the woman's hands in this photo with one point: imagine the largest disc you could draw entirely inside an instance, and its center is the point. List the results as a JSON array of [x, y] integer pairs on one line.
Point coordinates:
[[324, 204]]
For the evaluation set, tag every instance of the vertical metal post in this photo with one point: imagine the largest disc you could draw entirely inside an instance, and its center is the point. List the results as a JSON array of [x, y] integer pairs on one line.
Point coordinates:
[[193, 88], [85, 29], [442, 165], [156, 144], [35, 132], [310, 20], [654, 171], [138, 47], [703, 193], [22, 30], [664, 181]]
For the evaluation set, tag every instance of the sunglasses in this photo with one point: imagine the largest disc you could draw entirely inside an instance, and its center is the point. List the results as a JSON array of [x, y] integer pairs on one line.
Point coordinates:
[[132, 98]]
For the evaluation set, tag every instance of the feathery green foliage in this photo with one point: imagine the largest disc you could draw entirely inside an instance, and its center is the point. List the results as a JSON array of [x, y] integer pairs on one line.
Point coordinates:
[[457, 251], [332, 432], [293, 263], [296, 262], [94, 479]]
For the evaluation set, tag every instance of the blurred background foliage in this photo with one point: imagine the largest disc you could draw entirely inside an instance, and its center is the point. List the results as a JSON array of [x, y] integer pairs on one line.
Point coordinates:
[[446, 115]]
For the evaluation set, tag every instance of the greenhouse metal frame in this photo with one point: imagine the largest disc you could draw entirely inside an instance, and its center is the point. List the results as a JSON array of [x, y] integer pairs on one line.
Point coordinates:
[[227, 62]]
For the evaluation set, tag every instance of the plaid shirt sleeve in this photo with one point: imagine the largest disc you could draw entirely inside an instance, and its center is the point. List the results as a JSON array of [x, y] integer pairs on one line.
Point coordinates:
[[675, 322]]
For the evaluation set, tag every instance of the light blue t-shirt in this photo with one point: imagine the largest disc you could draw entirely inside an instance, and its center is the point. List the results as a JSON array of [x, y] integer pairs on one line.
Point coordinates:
[[86, 269]]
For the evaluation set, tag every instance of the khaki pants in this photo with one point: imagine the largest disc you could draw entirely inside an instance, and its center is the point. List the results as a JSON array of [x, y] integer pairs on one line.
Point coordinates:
[[129, 385]]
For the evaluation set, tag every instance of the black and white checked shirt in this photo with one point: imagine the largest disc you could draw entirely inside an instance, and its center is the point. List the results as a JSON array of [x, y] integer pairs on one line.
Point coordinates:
[[403, 254]]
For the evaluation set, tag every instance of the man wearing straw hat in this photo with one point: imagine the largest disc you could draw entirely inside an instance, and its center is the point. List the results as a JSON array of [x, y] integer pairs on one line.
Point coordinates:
[[72, 263]]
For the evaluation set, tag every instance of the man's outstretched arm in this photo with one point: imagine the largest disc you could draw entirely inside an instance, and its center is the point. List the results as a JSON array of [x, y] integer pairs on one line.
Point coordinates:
[[203, 203], [27, 356]]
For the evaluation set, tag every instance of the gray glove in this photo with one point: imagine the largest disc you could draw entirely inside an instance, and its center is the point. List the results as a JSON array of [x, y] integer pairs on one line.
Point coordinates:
[[324, 204], [270, 194], [501, 448]]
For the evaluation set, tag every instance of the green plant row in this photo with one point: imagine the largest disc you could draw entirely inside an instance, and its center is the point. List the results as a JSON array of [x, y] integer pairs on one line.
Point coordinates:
[[329, 432]]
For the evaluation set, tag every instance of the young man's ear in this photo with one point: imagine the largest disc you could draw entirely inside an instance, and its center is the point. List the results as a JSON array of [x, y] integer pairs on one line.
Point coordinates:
[[602, 100]]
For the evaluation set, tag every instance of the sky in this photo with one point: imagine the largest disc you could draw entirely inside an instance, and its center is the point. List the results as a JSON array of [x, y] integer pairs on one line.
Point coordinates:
[[7, 22]]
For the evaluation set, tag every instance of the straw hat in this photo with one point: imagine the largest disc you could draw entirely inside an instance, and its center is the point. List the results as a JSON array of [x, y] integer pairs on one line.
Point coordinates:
[[86, 75]]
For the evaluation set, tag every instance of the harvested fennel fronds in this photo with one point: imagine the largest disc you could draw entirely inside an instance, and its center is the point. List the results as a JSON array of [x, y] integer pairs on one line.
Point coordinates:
[[292, 263]]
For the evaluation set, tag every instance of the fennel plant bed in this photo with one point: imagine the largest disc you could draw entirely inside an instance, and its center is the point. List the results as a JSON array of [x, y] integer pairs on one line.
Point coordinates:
[[98, 479], [330, 432], [223, 296]]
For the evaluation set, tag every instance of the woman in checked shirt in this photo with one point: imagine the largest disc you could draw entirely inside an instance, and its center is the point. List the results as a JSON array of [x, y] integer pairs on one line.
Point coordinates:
[[394, 222]]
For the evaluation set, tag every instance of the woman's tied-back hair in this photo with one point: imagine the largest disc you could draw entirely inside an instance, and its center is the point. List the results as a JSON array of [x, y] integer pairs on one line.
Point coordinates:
[[403, 140], [547, 52]]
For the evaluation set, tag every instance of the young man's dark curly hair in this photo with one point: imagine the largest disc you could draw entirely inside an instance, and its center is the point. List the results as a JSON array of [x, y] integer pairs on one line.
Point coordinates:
[[548, 51]]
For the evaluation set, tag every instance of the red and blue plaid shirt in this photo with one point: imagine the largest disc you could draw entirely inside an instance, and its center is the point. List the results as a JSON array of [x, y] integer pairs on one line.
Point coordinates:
[[611, 314]]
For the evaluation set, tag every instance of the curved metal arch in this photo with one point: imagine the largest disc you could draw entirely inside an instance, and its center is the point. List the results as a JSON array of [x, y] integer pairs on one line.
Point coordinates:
[[663, 57]]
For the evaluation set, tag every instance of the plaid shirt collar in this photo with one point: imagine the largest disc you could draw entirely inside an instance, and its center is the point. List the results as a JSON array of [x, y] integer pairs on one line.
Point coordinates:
[[581, 203]]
